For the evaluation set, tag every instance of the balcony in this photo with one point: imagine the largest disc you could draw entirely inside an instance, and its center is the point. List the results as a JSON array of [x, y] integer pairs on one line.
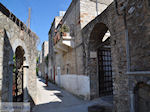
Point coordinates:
[[63, 42]]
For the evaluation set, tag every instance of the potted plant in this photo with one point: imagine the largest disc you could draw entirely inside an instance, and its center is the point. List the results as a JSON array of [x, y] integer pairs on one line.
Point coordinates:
[[64, 29]]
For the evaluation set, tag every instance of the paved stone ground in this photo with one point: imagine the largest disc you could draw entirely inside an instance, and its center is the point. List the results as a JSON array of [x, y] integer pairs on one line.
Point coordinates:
[[54, 99]]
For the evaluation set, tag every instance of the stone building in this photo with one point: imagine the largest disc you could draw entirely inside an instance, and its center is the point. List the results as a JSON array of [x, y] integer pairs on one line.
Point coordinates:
[[128, 24], [17, 59], [108, 55], [51, 66], [44, 64], [65, 48]]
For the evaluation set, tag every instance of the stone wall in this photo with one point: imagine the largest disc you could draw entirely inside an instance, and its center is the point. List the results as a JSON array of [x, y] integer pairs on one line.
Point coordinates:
[[115, 25], [138, 22], [88, 10], [138, 27], [13, 36]]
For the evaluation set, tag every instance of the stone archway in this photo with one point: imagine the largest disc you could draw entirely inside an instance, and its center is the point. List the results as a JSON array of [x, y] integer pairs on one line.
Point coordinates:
[[18, 74], [99, 64], [20, 45]]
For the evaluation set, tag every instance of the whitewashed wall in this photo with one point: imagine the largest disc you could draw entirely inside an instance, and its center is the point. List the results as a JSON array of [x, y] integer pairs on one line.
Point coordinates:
[[76, 84]]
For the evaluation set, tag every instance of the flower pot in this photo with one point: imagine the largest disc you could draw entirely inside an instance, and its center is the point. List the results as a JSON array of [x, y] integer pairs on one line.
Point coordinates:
[[64, 34]]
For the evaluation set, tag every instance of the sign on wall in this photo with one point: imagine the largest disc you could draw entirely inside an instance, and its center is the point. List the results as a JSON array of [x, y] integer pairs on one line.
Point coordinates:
[[93, 54]]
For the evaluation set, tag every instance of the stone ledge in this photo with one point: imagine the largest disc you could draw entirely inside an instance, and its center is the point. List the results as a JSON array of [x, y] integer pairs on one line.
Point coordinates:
[[139, 73]]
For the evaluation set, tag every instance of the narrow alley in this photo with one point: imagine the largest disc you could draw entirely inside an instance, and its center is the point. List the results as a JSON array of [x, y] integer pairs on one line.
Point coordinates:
[[75, 56], [54, 99]]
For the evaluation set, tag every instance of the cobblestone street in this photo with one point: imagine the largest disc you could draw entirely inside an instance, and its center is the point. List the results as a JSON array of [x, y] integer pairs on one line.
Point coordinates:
[[54, 99]]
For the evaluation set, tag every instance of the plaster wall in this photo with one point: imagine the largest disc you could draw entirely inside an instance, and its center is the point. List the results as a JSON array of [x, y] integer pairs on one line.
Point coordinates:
[[76, 84]]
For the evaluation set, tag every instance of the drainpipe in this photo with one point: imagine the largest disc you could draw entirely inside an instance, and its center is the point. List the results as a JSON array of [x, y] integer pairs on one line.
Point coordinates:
[[127, 41], [126, 33], [132, 101]]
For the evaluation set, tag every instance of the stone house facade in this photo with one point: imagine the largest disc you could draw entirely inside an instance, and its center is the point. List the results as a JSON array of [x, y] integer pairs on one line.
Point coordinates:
[[118, 64], [65, 47], [128, 23], [44, 58], [17, 59], [51, 70]]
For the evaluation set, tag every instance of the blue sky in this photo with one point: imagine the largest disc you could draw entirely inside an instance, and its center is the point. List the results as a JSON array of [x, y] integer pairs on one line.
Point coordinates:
[[42, 13]]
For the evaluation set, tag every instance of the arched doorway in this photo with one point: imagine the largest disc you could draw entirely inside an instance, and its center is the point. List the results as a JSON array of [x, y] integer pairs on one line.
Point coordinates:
[[101, 63], [18, 73]]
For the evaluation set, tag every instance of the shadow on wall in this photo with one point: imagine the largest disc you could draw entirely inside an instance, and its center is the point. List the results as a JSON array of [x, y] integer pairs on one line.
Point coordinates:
[[32, 104], [7, 75], [7, 70]]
